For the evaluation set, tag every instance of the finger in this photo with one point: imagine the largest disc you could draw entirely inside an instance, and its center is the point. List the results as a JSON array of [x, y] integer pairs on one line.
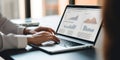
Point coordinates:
[[33, 32], [52, 30], [54, 38], [44, 33]]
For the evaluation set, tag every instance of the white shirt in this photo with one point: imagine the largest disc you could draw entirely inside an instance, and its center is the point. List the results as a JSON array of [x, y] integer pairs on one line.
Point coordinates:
[[11, 35]]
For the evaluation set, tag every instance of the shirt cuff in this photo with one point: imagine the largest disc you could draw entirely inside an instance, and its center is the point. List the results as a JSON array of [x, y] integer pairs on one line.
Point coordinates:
[[20, 29], [22, 41]]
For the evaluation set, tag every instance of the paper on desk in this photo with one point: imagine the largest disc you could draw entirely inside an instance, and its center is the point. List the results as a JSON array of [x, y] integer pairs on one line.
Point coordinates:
[[1, 58]]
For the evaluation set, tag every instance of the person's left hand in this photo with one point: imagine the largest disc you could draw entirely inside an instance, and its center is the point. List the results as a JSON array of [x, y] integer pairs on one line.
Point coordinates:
[[38, 29]]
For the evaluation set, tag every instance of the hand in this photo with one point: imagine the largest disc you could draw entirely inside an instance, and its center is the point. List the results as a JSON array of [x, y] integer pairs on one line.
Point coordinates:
[[44, 29], [41, 37], [38, 29]]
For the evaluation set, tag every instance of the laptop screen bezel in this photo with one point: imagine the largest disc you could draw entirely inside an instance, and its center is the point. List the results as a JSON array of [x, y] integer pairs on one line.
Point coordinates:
[[79, 6]]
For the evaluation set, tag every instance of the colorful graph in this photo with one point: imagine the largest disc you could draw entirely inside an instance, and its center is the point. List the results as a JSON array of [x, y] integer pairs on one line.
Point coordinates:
[[91, 21]]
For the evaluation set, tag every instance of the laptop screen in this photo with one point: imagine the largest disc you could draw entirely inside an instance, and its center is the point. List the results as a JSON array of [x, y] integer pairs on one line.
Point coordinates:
[[81, 22]]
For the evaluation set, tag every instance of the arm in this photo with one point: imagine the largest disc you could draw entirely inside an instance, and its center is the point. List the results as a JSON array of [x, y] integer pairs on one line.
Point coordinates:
[[6, 26], [12, 41], [9, 41]]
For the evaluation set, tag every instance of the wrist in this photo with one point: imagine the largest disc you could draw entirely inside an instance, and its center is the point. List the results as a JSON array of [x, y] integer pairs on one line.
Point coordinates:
[[29, 39], [26, 31]]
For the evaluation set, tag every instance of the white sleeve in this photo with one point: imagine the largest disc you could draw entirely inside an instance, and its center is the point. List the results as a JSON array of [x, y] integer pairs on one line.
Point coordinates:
[[6, 26], [12, 41]]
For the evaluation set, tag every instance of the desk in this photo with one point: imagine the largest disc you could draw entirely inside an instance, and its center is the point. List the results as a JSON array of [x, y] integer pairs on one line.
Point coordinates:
[[35, 54], [30, 53]]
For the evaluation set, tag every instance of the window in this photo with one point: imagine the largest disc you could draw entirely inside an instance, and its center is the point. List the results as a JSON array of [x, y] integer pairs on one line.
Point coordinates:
[[61, 6], [86, 2], [9, 8], [36, 8]]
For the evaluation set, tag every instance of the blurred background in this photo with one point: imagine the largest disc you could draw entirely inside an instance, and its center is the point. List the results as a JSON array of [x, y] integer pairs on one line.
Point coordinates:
[[21, 9]]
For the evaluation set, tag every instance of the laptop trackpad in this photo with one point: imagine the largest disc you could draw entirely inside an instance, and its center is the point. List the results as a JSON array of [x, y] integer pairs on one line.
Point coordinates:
[[66, 43], [63, 43], [48, 43]]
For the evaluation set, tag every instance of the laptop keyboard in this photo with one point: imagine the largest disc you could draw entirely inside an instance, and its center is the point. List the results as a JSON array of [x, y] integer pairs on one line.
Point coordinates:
[[66, 43]]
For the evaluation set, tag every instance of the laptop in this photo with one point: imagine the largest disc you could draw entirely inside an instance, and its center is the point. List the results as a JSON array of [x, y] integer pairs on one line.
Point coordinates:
[[78, 29]]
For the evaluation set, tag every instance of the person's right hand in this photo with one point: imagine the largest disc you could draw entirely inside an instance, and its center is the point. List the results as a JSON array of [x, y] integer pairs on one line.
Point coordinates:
[[41, 37]]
